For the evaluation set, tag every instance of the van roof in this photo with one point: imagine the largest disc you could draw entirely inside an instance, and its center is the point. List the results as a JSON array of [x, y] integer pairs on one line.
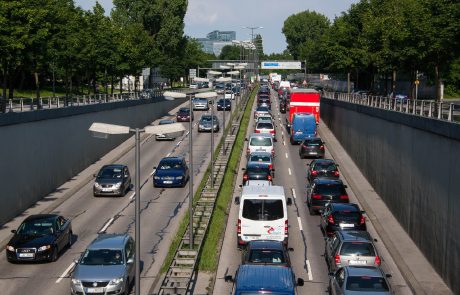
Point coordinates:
[[268, 278], [263, 190], [304, 90]]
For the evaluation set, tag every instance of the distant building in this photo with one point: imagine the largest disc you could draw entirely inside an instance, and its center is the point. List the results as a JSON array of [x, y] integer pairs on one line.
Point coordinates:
[[216, 40]]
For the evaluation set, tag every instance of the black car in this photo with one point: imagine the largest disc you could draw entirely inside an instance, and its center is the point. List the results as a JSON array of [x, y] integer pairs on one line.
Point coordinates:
[[40, 237], [324, 191], [342, 216], [183, 115], [224, 104], [112, 180], [283, 104], [255, 171], [311, 147], [266, 252], [322, 168]]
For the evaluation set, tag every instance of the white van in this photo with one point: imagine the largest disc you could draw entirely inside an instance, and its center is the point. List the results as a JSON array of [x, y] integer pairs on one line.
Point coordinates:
[[262, 214]]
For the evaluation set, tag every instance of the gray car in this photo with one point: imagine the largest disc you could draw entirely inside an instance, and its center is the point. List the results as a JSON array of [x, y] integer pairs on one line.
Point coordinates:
[[112, 180], [207, 122], [105, 267], [200, 104], [359, 280], [159, 137], [354, 248]]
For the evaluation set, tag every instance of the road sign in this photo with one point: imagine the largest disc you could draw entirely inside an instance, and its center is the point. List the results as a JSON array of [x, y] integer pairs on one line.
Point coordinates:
[[192, 73], [286, 65]]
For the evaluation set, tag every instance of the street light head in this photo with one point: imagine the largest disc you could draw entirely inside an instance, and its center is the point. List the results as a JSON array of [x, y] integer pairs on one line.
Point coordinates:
[[210, 94], [170, 95], [214, 73], [233, 72], [98, 129], [175, 129], [199, 79], [224, 67]]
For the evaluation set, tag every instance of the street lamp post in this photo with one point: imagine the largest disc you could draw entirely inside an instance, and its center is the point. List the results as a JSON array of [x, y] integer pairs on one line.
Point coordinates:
[[224, 80], [102, 130]]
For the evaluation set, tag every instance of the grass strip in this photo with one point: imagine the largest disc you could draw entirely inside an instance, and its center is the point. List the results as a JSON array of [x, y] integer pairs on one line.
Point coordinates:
[[208, 260]]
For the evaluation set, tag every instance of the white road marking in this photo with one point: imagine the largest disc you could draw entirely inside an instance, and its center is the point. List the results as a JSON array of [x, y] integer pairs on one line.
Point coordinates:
[[293, 193], [153, 171], [286, 155], [179, 142], [284, 143], [282, 132], [310, 275], [300, 223], [65, 273], [106, 225], [289, 170], [132, 196], [169, 154]]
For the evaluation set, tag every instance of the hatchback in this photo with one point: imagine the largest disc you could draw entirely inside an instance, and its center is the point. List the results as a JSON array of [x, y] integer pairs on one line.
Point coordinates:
[[112, 180], [256, 171], [261, 158], [324, 191], [311, 147], [105, 267], [261, 110], [183, 115], [171, 172], [352, 280], [266, 252], [208, 123], [342, 216], [265, 127], [224, 104], [350, 248], [261, 143], [200, 104], [322, 168]]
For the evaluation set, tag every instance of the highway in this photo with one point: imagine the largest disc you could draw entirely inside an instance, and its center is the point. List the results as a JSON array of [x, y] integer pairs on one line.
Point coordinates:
[[304, 233], [161, 211]]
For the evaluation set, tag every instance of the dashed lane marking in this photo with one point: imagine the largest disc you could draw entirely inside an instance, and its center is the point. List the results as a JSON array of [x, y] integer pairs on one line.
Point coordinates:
[[289, 170], [293, 193], [300, 223], [287, 155], [310, 274]]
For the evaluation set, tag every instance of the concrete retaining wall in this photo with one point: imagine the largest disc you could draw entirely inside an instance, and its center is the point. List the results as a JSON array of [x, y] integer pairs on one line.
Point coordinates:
[[41, 150], [413, 163]]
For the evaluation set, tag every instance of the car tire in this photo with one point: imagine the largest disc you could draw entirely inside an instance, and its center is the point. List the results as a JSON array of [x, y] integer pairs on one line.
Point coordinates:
[[310, 210], [69, 241], [54, 254]]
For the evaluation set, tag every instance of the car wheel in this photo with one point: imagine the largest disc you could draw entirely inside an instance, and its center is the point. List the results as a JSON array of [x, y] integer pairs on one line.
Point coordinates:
[[310, 210], [54, 255], [69, 241]]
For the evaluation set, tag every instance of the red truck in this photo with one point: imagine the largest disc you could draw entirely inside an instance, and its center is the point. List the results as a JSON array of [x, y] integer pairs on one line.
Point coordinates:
[[303, 101]]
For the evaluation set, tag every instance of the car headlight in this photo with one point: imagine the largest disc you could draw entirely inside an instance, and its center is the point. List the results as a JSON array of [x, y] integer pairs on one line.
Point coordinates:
[[10, 248], [97, 185], [76, 282], [201, 126], [116, 281], [156, 177], [179, 177], [44, 248], [117, 185]]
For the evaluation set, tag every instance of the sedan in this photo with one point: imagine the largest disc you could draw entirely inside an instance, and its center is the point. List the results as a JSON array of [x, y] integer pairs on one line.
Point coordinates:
[[354, 280], [183, 115], [311, 147], [224, 104], [200, 104], [208, 123], [164, 136], [322, 168], [112, 180], [266, 252], [257, 172], [39, 238], [171, 172], [342, 216]]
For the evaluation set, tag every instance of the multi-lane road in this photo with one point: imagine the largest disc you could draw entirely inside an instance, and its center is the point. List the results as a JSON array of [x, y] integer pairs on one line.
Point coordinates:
[[161, 210]]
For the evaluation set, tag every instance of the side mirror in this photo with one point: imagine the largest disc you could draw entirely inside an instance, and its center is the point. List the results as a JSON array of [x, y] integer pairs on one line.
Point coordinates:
[[228, 279], [308, 164], [363, 212], [345, 186], [290, 249], [246, 139], [94, 175], [130, 261], [237, 200], [300, 282], [75, 261], [289, 201], [243, 169], [273, 169], [13, 231], [154, 167], [337, 165], [388, 275], [375, 240]]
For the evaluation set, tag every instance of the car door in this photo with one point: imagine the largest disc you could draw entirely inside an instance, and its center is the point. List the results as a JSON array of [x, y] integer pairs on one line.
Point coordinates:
[[331, 243], [129, 254], [339, 279], [324, 217], [60, 232], [127, 179]]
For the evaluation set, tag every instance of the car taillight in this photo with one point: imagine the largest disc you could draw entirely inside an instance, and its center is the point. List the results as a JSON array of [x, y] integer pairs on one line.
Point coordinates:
[[316, 196], [248, 151], [257, 131], [286, 227], [314, 173], [273, 152], [336, 173], [362, 220], [321, 147], [272, 131], [269, 177], [245, 177], [377, 260], [270, 166], [330, 219], [238, 227], [337, 259], [344, 197]]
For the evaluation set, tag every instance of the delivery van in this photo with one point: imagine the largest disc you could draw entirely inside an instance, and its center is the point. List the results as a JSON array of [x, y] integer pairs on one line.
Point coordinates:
[[262, 214], [303, 126]]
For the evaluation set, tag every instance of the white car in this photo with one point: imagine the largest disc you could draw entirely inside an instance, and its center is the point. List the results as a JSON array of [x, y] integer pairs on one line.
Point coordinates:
[[261, 142], [229, 94]]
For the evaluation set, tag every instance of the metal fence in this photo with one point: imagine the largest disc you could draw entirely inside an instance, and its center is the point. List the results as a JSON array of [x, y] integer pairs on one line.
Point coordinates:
[[426, 108]]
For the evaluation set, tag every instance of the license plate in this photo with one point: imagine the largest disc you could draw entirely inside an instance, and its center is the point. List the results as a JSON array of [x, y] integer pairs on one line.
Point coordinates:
[[312, 153], [95, 290], [357, 262], [167, 181], [346, 225], [298, 132], [26, 255], [106, 189]]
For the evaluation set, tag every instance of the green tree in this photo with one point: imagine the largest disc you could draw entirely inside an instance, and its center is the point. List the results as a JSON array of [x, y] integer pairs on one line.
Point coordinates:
[[230, 52], [258, 42]]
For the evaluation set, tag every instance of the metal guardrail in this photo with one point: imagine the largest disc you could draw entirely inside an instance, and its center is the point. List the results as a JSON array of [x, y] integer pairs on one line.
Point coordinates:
[[181, 271], [439, 110]]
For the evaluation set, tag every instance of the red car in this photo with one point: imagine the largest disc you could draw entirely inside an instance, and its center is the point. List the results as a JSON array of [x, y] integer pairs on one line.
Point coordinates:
[[183, 115]]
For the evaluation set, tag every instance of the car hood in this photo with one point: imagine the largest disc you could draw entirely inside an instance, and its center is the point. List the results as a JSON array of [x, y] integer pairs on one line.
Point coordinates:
[[169, 172], [31, 241], [98, 272], [108, 180]]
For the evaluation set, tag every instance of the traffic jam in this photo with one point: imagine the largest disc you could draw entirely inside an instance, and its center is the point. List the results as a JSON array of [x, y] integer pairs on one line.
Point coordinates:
[[263, 228]]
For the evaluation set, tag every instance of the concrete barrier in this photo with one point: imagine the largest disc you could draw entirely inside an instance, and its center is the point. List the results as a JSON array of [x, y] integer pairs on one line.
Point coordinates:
[[413, 163], [43, 149]]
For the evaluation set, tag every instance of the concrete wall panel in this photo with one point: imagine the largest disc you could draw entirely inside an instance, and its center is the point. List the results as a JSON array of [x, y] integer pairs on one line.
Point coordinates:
[[413, 163]]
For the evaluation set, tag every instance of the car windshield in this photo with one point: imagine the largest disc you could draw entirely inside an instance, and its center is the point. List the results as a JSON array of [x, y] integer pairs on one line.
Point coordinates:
[[259, 158], [264, 125], [184, 111], [357, 248], [325, 166], [110, 173], [166, 165], [346, 215], [266, 256], [258, 170], [102, 257], [260, 141], [207, 119], [263, 209], [366, 284], [36, 227], [329, 189]]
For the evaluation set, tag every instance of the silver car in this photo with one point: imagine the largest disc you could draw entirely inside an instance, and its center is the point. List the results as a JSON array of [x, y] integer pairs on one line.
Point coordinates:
[[105, 267], [356, 280], [261, 158], [200, 104], [207, 122], [165, 136]]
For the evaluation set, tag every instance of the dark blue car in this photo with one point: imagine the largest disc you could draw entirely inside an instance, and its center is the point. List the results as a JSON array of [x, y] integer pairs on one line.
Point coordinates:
[[171, 172]]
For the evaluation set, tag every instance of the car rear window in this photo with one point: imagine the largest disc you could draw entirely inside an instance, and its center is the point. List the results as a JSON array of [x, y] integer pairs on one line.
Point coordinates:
[[365, 283], [260, 141], [357, 248], [325, 166], [329, 189], [264, 125], [263, 209], [266, 256], [350, 216], [312, 142], [259, 158]]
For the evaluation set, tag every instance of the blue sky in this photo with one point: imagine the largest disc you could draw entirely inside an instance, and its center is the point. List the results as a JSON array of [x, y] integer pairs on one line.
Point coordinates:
[[204, 16]]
